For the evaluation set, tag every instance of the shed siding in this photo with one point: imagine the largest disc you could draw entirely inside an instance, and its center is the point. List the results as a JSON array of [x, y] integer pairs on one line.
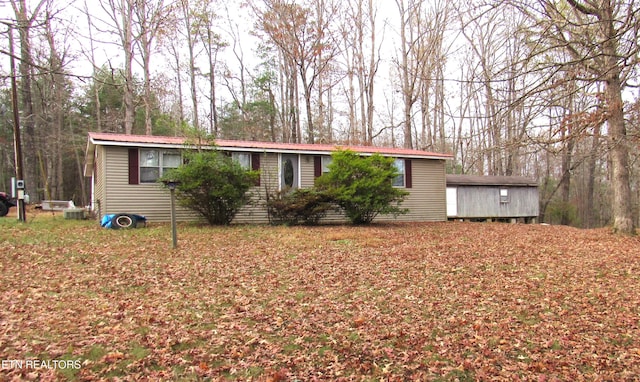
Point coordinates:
[[484, 202]]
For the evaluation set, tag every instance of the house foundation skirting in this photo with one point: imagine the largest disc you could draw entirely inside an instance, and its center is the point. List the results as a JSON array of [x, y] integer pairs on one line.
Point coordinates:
[[512, 220]]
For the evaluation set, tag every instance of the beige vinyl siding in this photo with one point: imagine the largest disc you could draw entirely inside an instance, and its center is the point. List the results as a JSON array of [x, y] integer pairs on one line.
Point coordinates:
[[153, 201], [427, 198], [307, 178], [100, 181], [256, 211], [270, 182], [427, 201], [149, 199]]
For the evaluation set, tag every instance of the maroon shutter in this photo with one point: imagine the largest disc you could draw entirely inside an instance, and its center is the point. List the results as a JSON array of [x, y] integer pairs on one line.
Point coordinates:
[[134, 169], [255, 165], [317, 166], [408, 176]]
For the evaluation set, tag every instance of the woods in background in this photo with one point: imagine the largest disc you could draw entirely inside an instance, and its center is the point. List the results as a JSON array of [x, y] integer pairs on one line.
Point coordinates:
[[545, 89]]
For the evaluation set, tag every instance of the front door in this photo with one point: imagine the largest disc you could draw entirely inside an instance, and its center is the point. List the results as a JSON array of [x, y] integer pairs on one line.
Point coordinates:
[[289, 177]]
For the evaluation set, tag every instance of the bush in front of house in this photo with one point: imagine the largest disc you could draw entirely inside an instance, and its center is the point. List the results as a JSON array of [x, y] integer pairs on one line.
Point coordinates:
[[362, 186], [213, 185], [300, 206]]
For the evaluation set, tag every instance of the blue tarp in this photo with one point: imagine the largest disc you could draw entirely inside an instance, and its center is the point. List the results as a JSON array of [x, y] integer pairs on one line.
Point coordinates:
[[112, 220]]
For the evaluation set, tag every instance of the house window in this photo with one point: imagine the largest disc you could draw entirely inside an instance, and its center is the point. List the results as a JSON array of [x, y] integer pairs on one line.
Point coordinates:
[[243, 158], [399, 181], [321, 164], [154, 163], [326, 161], [504, 195]]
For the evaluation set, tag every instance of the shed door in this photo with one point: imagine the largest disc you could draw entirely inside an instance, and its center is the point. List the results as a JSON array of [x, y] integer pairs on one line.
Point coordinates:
[[452, 201]]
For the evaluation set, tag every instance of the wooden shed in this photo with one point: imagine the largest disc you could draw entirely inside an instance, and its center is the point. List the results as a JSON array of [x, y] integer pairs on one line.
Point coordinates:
[[501, 198]]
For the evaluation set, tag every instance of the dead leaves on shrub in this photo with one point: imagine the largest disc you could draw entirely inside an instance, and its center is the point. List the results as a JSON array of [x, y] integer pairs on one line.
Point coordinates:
[[393, 302]]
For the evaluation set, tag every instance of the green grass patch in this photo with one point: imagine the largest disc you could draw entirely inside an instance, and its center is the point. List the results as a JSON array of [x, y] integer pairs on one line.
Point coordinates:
[[138, 351], [95, 353]]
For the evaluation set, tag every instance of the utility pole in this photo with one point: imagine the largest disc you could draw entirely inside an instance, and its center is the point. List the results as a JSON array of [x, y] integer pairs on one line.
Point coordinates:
[[16, 128]]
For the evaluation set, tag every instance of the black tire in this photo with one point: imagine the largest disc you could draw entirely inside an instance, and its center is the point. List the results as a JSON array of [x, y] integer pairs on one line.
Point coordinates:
[[123, 221], [4, 209]]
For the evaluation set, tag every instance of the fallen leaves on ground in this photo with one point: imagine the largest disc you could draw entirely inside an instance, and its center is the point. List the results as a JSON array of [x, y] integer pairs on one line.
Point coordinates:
[[428, 301]]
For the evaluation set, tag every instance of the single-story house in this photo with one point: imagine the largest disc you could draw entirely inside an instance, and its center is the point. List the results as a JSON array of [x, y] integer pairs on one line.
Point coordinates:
[[124, 170], [492, 198]]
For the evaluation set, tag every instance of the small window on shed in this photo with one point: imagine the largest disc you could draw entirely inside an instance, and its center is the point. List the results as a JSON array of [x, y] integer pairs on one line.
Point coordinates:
[[504, 195]]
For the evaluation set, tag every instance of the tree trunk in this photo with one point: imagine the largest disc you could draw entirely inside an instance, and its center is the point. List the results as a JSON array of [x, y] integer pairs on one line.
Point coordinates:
[[57, 113], [589, 221], [407, 78], [178, 68], [373, 69], [622, 212], [213, 112], [148, 128], [565, 181], [189, 34], [127, 45], [96, 88]]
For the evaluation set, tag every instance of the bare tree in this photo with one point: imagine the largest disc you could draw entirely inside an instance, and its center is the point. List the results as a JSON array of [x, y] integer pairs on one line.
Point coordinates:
[[212, 44], [486, 36], [431, 74], [601, 41], [236, 81], [120, 14], [302, 37], [170, 44], [96, 67], [420, 62], [54, 96], [498, 108], [175, 57], [362, 59], [199, 22], [188, 22], [150, 18], [408, 62]]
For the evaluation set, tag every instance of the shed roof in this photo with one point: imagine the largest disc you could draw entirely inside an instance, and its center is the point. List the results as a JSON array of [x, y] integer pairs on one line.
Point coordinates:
[[481, 180], [110, 139]]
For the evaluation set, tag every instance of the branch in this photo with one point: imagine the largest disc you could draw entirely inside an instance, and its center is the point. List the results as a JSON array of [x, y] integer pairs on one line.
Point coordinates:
[[584, 9]]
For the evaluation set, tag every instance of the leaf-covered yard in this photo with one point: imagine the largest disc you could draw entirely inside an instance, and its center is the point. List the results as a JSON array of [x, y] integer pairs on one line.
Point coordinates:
[[433, 301]]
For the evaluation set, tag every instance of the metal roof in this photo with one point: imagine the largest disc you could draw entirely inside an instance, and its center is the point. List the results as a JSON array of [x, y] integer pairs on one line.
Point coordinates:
[[481, 180], [109, 139]]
